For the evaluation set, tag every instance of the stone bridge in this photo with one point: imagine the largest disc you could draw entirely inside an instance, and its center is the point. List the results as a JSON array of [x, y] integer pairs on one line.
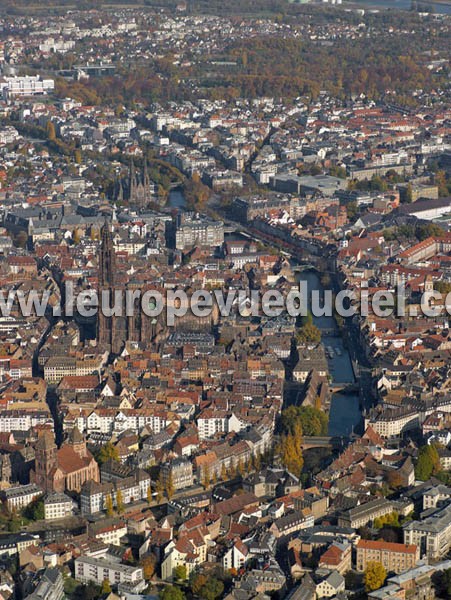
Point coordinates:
[[333, 443]]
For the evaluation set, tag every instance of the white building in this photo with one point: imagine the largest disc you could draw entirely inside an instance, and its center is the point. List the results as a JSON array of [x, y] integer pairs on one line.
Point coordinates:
[[432, 534], [29, 85], [236, 556], [57, 506], [20, 496], [14, 420], [98, 569], [213, 422]]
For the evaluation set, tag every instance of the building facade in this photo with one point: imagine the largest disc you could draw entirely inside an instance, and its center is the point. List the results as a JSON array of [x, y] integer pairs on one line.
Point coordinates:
[[394, 557]]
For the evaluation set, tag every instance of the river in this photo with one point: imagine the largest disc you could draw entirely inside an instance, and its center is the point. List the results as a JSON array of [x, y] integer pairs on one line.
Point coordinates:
[[176, 199], [344, 413], [436, 7]]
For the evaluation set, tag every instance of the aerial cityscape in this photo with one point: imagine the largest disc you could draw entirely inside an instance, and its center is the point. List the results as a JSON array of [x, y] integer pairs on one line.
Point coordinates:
[[225, 299]]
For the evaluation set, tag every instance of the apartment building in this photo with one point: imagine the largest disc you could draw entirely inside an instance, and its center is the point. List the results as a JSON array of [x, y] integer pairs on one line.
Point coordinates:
[[179, 471], [57, 506], [25, 86], [196, 230], [394, 557], [391, 423], [14, 420], [20, 496], [89, 569], [213, 422], [50, 585], [110, 531], [366, 513], [58, 367], [432, 534], [436, 494]]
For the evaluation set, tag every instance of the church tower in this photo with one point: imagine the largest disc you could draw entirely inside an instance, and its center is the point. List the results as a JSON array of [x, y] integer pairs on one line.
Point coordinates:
[[107, 279], [45, 461], [78, 442], [107, 263]]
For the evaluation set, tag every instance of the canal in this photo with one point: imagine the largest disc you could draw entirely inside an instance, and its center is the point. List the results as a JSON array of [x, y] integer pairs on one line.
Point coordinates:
[[344, 415], [429, 5], [176, 199]]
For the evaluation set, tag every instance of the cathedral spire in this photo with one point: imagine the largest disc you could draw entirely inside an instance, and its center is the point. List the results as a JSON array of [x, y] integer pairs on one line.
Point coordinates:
[[146, 175], [107, 262], [132, 182]]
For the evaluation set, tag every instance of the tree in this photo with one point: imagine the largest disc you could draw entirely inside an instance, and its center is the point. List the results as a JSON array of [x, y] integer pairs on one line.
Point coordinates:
[[148, 564], [180, 572], [212, 589], [232, 470], [351, 210], [90, 591], [14, 525], [50, 130], [35, 510], [108, 452], [422, 232], [109, 505], [428, 462], [408, 195], [391, 519], [223, 472], [313, 421], [206, 478], [21, 239], [169, 487], [160, 487], [171, 592], [290, 451], [70, 585], [257, 461], [441, 182], [309, 334], [149, 495], [78, 156], [442, 583], [106, 587], [389, 534], [374, 576], [119, 502], [76, 236], [197, 582], [394, 480]]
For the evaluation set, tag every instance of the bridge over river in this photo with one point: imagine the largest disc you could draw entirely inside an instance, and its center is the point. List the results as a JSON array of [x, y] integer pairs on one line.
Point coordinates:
[[331, 442]]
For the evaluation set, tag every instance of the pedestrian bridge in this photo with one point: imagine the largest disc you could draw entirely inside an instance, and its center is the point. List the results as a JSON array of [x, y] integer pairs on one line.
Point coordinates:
[[333, 443], [344, 388]]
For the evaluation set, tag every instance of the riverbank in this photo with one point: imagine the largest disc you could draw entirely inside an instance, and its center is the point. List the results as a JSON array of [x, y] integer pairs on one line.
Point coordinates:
[[436, 6], [344, 415]]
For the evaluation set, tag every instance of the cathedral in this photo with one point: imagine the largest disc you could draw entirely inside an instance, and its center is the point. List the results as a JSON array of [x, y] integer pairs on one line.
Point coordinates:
[[113, 331], [65, 469], [138, 189]]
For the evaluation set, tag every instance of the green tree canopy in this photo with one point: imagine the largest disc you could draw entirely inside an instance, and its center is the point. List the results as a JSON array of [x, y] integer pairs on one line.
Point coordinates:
[[428, 462], [171, 592], [313, 421], [35, 510], [107, 452], [180, 572]]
